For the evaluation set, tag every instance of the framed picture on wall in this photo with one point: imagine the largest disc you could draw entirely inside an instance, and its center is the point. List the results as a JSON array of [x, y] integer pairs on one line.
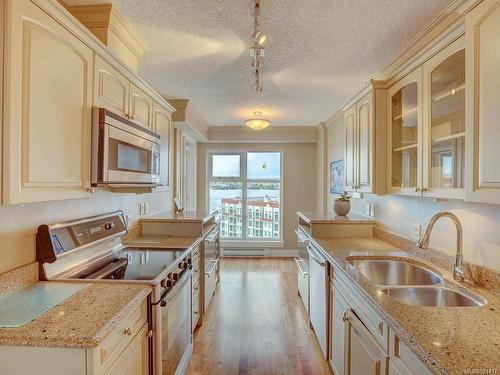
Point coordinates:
[[337, 177]]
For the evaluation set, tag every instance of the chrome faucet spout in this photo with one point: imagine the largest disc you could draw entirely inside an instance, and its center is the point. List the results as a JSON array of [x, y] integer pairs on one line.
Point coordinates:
[[423, 243]]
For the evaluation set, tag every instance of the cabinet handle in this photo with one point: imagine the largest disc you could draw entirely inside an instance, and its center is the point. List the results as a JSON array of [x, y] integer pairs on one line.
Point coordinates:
[[129, 331], [150, 333], [417, 189]]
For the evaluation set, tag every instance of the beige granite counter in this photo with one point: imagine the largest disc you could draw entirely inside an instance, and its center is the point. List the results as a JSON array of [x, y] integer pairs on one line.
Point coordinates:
[[201, 217], [318, 217], [153, 241], [448, 340], [82, 321]]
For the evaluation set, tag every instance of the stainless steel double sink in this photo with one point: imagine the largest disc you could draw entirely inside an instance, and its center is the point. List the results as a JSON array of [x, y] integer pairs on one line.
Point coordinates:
[[412, 284]]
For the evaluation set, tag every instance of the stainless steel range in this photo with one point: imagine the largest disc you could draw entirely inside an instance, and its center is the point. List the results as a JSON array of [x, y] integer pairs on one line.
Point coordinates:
[[92, 249]]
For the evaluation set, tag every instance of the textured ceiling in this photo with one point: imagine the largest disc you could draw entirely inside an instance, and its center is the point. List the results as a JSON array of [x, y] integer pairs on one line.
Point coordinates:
[[319, 53]]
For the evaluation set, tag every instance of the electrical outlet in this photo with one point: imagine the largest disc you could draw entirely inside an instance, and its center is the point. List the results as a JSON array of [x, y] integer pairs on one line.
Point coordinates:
[[146, 208], [370, 210], [415, 231]]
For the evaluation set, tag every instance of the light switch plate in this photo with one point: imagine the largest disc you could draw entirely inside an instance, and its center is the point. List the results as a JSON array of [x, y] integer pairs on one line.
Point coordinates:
[[415, 231]]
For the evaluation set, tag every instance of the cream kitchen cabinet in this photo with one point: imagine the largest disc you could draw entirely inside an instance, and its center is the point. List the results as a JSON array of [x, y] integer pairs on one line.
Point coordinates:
[[337, 332], [363, 355], [140, 107], [364, 156], [125, 351], [113, 91], [426, 128], [162, 120], [111, 88], [482, 102], [47, 107], [404, 162], [443, 146]]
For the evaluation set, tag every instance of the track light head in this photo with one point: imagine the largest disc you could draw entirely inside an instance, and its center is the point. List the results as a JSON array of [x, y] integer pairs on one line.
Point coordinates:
[[259, 37]]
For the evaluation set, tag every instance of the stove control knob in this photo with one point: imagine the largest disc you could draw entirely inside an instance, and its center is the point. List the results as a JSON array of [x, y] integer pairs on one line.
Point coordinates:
[[167, 283], [189, 260], [183, 265], [109, 225], [173, 276]]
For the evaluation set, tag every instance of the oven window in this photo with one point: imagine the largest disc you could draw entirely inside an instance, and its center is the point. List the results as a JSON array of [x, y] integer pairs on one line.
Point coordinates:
[[127, 157]]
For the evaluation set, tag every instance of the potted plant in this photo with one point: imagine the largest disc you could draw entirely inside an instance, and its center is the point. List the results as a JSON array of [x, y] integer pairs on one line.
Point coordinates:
[[342, 204]]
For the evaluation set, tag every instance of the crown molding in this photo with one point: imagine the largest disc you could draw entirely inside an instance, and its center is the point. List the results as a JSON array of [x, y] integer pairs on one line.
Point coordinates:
[[334, 118], [107, 16], [187, 116], [448, 26], [58, 10]]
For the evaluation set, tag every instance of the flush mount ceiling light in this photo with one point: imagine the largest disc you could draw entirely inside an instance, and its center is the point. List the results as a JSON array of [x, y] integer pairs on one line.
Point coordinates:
[[257, 122], [257, 50]]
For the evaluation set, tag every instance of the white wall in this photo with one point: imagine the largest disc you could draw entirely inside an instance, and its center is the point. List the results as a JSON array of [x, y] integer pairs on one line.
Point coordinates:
[[299, 179], [481, 223], [18, 223]]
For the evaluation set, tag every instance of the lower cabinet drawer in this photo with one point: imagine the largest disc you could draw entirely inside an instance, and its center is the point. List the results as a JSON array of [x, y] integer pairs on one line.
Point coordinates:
[[134, 360], [210, 284], [106, 354], [403, 360]]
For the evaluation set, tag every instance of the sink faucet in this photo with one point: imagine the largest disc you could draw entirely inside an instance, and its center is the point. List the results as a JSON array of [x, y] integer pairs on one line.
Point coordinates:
[[423, 243]]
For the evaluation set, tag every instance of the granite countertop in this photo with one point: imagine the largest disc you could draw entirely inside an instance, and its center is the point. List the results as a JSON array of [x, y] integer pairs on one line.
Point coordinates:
[[448, 340], [201, 217], [152, 241], [82, 321], [318, 217]]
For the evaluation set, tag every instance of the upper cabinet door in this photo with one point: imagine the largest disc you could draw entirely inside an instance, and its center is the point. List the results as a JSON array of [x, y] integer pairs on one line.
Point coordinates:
[[111, 88], [163, 127], [365, 155], [444, 119], [350, 179], [48, 98], [483, 102], [141, 107], [404, 135]]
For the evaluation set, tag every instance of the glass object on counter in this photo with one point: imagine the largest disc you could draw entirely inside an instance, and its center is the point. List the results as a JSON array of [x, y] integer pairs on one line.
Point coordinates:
[[448, 122], [404, 104]]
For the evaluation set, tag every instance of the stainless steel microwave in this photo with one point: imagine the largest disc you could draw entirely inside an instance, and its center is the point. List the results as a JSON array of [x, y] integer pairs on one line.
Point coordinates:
[[124, 154]]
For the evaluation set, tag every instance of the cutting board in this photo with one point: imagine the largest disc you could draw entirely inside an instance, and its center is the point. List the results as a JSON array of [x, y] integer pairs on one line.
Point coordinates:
[[26, 304]]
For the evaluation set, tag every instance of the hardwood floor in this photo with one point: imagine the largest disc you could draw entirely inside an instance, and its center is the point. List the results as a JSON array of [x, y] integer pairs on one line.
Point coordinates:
[[256, 324]]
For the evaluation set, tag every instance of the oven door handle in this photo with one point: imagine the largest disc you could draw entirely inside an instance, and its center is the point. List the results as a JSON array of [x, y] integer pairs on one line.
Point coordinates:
[[212, 234], [301, 237], [314, 256], [170, 294]]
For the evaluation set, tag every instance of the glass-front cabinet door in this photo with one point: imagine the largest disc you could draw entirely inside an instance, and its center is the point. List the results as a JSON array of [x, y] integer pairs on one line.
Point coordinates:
[[444, 118], [405, 134]]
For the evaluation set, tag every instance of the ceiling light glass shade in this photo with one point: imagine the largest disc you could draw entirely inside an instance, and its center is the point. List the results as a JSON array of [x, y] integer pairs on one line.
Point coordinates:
[[257, 122], [259, 37]]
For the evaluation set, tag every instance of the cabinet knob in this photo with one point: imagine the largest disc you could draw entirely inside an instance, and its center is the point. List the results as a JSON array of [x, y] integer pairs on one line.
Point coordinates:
[[424, 190], [129, 331], [417, 189], [150, 333]]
